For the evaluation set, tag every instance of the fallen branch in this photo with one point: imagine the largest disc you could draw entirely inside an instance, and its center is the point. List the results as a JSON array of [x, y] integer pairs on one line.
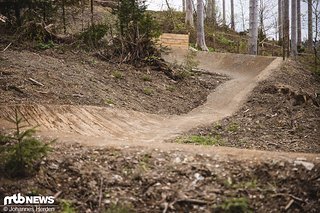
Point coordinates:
[[288, 195], [194, 201], [6, 47], [289, 204], [36, 82]]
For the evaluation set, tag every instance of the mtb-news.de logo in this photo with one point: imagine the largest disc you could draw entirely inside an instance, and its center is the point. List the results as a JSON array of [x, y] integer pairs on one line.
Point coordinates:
[[18, 203]]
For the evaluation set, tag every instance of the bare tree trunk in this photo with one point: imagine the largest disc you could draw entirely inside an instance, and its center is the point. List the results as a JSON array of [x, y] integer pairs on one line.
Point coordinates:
[[261, 12], [211, 11], [316, 24], [184, 5], [310, 25], [91, 7], [64, 17], [299, 42], [232, 15], [171, 14], [242, 15], [286, 26], [189, 13], [224, 12], [201, 43], [294, 50], [280, 24], [253, 27]]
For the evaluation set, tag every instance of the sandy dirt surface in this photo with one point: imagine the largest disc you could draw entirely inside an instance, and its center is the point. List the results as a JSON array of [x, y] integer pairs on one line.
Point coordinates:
[[280, 115]]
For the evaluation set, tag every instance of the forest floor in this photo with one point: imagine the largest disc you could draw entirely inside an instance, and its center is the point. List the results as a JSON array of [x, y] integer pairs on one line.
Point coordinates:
[[278, 115]]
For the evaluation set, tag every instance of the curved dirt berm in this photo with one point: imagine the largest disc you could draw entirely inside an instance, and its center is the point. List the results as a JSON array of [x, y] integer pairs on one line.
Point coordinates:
[[107, 126]]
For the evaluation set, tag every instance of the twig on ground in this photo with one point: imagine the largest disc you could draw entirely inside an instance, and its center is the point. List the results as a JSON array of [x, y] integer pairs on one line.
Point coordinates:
[[100, 193], [6, 47], [36, 82], [289, 204], [57, 194]]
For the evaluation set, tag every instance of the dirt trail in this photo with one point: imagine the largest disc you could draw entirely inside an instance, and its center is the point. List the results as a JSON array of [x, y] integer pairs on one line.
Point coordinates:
[[99, 126]]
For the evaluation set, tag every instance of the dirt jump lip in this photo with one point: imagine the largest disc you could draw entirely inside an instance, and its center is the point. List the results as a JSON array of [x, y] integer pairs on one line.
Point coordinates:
[[99, 126]]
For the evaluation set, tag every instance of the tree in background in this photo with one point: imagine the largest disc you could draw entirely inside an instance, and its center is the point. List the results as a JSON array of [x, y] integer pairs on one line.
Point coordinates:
[[286, 26], [299, 41], [183, 5], [294, 50], [280, 20], [232, 15], [189, 13], [310, 30], [211, 11], [224, 12], [201, 43], [243, 19], [253, 27]]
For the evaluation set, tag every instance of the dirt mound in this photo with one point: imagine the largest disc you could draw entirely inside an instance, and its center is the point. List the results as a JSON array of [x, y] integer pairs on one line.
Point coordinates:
[[80, 79], [280, 115]]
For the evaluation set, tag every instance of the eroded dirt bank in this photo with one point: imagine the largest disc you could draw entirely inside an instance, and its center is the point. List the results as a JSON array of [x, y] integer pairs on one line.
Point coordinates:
[[50, 77]]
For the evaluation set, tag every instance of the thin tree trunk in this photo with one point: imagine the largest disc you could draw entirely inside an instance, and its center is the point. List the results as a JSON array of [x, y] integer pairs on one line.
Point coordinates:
[[242, 16], [261, 33], [183, 5], [310, 25], [299, 39], [171, 14], [64, 17], [280, 20], [91, 7], [232, 15], [201, 43], [286, 26], [211, 11], [294, 50], [224, 12], [189, 13], [253, 28]]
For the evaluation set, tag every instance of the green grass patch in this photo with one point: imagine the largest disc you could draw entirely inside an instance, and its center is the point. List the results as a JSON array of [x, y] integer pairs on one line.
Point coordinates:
[[117, 74], [147, 91], [146, 78], [233, 127], [201, 140], [233, 205]]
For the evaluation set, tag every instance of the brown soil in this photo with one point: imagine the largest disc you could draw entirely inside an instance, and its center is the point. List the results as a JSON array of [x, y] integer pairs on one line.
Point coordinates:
[[280, 115], [80, 79], [155, 180]]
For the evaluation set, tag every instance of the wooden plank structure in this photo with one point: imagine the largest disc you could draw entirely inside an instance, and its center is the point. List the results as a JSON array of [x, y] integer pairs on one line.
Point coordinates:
[[175, 40]]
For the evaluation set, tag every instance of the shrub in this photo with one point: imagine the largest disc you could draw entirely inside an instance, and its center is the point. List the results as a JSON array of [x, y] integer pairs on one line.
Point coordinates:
[[21, 152], [136, 30], [190, 61], [147, 91], [92, 35], [233, 205]]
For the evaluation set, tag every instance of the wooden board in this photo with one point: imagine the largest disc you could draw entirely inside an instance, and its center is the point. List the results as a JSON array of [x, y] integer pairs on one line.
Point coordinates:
[[175, 40]]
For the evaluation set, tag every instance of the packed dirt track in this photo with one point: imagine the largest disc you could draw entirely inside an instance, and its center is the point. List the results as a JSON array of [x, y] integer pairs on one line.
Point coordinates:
[[100, 126]]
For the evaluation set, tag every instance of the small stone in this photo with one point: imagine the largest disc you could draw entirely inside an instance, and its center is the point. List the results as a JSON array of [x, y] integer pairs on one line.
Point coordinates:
[[308, 165]]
